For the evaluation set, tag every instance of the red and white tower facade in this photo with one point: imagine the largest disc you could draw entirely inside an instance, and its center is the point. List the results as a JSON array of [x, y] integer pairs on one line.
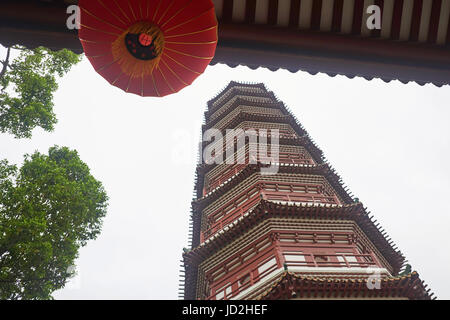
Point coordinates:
[[296, 233]]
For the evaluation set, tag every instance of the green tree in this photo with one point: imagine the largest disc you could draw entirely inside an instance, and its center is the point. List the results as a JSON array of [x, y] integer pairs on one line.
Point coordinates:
[[27, 84], [49, 208]]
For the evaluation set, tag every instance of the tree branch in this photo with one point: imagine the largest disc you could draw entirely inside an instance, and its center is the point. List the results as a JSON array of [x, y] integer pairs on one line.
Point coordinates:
[[5, 63]]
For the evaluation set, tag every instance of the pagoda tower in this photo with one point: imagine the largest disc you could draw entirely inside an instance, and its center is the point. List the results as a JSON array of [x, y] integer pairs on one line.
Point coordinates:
[[295, 234]]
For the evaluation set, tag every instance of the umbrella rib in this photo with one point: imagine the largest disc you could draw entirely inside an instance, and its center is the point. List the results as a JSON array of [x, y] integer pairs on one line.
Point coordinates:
[[188, 55], [132, 11], [181, 9], [175, 42], [106, 65], [173, 72], [90, 41], [165, 80], [120, 75], [140, 9], [156, 11], [121, 10], [129, 81], [190, 20], [97, 56], [179, 63], [154, 85], [98, 30], [142, 84], [190, 33], [110, 11], [101, 20], [165, 12]]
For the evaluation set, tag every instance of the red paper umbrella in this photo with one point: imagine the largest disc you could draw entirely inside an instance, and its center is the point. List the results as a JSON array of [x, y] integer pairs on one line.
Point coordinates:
[[149, 47]]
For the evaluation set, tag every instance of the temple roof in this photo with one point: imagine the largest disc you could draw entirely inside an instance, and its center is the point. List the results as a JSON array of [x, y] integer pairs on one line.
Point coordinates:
[[310, 35], [332, 37], [34, 23]]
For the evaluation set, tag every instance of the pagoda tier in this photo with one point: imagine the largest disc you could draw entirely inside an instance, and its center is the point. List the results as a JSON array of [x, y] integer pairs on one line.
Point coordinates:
[[293, 286], [222, 173], [294, 233]]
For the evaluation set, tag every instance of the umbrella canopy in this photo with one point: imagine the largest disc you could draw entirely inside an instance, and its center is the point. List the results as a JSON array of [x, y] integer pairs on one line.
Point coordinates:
[[148, 47]]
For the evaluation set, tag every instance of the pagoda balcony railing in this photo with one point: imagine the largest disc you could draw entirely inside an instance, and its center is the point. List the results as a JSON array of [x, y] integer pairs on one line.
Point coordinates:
[[282, 134], [347, 260], [293, 197], [338, 260], [267, 133], [284, 157], [228, 215]]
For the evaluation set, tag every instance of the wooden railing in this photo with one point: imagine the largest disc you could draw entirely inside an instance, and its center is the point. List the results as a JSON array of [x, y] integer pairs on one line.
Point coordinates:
[[282, 134], [363, 261], [295, 197], [332, 260]]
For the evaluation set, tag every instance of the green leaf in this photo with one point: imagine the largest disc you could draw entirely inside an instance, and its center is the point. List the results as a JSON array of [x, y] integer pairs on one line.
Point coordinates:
[[29, 82], [49, 208]]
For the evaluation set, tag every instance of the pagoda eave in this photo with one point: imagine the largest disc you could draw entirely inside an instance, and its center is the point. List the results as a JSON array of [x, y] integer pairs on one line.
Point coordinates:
[[324, 169], [244, 101], [291, 285], [247, 116], [232, 86], [333, 54], [273, 44]]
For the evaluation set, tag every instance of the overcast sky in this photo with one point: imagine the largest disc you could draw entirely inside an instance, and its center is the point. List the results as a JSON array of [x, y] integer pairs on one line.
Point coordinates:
[[389, 142]]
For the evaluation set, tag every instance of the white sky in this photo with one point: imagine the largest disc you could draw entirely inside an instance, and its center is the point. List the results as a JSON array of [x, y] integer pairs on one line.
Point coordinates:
[[389, 142]]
